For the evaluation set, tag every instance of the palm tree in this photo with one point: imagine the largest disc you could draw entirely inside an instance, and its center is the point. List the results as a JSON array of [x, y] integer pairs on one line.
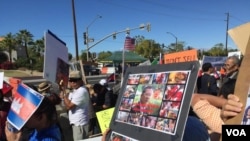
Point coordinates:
[[24, 38], [9, 43], [37, 48]]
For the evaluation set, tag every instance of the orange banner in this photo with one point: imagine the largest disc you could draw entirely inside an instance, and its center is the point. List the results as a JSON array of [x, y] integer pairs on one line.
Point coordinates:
[[183, 56]]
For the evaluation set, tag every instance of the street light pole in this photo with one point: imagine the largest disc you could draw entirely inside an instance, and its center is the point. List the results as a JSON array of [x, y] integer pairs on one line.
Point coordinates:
[[175, 39], [87, 35], [142, 26]]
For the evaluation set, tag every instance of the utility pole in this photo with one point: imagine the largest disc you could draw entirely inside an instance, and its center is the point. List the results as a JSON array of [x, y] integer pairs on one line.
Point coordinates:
[[75, 30], [227, 20]]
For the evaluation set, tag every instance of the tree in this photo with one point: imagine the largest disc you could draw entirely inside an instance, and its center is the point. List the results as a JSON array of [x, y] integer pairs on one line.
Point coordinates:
[[218, 50], [70, 56], [175, 48], [148, 49], [24, 38], [9, 43], [37, 48], [102, 55]]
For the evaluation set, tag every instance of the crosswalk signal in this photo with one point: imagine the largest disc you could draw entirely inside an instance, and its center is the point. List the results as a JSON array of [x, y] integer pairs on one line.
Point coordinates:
[[85, 38]]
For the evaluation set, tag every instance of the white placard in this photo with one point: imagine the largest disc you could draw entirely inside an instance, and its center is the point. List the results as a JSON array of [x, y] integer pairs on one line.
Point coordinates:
[[54, 49], [1, 80]]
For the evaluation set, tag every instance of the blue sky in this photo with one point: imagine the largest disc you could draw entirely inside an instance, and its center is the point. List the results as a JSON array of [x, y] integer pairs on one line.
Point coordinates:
[[199, 23]]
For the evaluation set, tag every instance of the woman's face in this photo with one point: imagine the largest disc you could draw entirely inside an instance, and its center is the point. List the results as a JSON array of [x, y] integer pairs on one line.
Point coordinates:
[[33, 122]]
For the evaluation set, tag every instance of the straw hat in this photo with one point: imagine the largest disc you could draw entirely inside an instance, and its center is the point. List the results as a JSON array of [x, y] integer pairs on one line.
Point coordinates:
[[43, 86]]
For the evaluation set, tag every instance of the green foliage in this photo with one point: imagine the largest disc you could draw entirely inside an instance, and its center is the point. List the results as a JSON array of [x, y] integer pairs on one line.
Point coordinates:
[[102, 55], [148, 49], [70, 56], [22, 62]]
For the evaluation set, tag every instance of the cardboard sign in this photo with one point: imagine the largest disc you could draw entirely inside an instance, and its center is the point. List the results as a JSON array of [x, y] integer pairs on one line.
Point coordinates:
[[104, 117], [183, 56], [240, 36], [24, 104], [243, 79]]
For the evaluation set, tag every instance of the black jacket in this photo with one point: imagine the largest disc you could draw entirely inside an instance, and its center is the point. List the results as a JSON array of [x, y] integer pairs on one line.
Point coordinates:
[[207, 84]]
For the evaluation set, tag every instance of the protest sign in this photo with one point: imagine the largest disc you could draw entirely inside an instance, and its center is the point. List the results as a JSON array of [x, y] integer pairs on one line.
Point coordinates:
[[241, 37], [165, 113], [216, 61], [1, 79], [54, 48], [242, 34], [182, 56], [234, 53], [24, 104], [104, 118]]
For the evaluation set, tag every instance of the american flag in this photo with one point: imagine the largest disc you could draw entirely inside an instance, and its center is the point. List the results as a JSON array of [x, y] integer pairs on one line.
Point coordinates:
[[129, 43]]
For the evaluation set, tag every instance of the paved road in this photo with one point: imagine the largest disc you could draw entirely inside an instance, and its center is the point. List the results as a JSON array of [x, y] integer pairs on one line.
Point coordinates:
[[38, 79]]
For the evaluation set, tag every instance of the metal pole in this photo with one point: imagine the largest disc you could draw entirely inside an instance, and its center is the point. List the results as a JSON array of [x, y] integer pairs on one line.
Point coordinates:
[[175, 39], [87, 33], [227, 30], [126, 30], [75, 30]]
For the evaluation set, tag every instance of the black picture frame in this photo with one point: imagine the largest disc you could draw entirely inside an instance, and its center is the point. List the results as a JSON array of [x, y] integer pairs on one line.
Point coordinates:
[[141, 132]]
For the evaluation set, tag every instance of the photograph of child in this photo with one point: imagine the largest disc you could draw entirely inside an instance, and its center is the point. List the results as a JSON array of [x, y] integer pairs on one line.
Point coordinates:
[[126, 104], [145, 79], [166, 125], [177, 77], [144, 101], [133, 79], [130, 91], [135, 118], [148, 121], [119, 137], [159, 78], [122, 116]]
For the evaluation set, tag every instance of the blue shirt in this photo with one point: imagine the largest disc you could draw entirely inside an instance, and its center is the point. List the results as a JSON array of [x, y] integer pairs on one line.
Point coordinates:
[[51, 133]]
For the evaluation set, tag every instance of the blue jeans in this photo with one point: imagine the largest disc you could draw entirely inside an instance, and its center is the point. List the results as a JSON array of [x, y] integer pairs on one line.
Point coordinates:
[[195, 130]]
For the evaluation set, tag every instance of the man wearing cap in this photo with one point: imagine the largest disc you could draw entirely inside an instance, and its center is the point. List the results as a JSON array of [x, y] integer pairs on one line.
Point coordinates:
[[77, 103], [44, 88]]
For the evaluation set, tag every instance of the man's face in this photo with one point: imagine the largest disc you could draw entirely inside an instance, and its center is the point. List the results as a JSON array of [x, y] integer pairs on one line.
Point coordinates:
[[145, 97], [73, 83], [230, 66]]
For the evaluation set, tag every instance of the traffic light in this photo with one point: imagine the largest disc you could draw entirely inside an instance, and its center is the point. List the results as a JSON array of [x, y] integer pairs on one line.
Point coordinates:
[[85, 38], [93, 55], [114, 36], [148, 27]]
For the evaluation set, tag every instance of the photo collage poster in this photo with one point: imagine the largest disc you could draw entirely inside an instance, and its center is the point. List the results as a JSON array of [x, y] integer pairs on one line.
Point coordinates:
[[153, 101]]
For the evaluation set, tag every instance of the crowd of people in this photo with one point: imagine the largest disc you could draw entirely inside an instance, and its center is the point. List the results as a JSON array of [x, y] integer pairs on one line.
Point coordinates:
[[80, 101], [212, 104]]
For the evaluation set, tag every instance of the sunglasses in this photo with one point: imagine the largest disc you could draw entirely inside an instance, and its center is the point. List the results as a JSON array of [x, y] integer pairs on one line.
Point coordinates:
[[73, 80], [228, 65]]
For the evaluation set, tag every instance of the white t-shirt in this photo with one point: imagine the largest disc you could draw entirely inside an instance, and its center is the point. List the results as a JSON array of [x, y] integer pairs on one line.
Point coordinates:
[[79, 114]]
